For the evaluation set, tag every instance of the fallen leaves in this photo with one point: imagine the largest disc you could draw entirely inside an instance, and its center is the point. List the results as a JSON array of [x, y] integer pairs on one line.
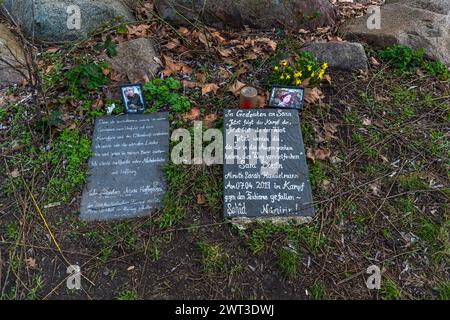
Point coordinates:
[[201, 199], [318, 154], [173, 67], [210, 119], [193, 114], [210, 87], [236, 87], [206, 88], [313, 95]]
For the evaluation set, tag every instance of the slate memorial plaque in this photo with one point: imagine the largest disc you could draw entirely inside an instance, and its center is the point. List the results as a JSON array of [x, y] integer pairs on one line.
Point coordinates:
[[265, 170], [126, 179]]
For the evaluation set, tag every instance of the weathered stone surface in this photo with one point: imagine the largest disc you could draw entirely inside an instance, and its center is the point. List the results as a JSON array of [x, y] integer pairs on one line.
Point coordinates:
[[415, 23], [11, 59], [274, 185], [347, 56], [46, 20], [136, 60], [261, 14], [126, 177]]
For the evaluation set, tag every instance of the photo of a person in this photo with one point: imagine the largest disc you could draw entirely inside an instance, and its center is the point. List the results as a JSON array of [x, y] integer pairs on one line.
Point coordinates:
[[286, 97], [133, 100]]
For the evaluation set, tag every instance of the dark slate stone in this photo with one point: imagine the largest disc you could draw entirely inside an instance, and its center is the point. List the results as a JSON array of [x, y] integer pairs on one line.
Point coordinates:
[[248, 192], [126, 178]]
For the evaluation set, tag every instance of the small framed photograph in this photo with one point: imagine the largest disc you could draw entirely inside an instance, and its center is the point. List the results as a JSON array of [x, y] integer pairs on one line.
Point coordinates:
[[133, 98], [287, 97]]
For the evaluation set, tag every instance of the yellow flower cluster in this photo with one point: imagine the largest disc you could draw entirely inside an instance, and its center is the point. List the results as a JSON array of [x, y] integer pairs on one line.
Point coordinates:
[[290, 73], [322, 71]]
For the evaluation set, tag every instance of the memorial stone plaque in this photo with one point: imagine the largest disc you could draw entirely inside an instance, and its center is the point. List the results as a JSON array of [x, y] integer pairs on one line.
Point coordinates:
[[265, 170], [126, 176]]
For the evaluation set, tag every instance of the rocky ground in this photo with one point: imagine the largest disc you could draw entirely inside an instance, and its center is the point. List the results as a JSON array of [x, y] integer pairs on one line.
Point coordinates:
[[376, 130]]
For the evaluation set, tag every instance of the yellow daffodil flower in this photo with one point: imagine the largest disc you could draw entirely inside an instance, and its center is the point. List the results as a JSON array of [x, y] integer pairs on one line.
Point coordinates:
[[298, 82], [288, 76], [276, 68], [309, 68], [284, 63], [282, 77]]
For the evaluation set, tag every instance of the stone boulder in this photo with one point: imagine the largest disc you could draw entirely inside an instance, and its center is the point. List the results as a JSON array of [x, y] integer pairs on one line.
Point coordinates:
[[47, 20], [414, 23], [346, 56], [12, 59], [260, 14], [137, 60]]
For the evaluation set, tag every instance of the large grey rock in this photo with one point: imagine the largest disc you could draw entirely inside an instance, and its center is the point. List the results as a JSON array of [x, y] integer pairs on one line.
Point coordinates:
[[46, 20], [262, 14], [12, 59], [347, 56], [137, 60], [415, 23]]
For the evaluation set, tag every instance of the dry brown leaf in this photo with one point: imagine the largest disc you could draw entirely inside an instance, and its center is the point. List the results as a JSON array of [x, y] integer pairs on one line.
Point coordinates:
[[236, 87], [367, 122], [327, 78], [210, 119], [225, 52], [171, 66], [223, 73], [183, 30], [15, 173], [313, 95], [201, 199], [319, 154], [138, 31], [190, 84], [201, 77], [261, 101], [374, 61], [210, 87], [31, 263], [98, 104], [172, 44], [193, 114], [186, 69], [272, 44], [218, 36]]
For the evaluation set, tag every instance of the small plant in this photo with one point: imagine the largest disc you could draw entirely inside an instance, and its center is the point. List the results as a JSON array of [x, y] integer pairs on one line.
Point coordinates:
[[108, 46], [437, 69], [444, 291], [127, 295], [288, 260], [260, 235], [212, 257], [3, 114], [304, 69], [86, 77], [402, 58], [72, 151], [390, 291], [317, 292], [406, 60], [165, 93]]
